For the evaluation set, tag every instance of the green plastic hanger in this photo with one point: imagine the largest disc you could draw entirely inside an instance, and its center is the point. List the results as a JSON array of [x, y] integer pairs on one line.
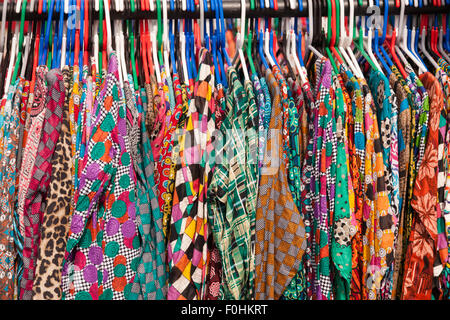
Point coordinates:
[[327, 48], [132, 49], [338, 29], [160, 30], [249, 36], [19, 56], [359, 43], [100, 36]]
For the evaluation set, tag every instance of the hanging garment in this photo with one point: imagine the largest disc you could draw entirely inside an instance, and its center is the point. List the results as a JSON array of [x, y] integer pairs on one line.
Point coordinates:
[[421, 252], [9, 125], [103, 242], [56, 219], [277, 218], [187, 246], [37, 193]]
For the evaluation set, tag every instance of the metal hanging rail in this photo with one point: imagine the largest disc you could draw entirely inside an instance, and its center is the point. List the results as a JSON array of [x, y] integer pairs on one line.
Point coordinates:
[[231, 9]]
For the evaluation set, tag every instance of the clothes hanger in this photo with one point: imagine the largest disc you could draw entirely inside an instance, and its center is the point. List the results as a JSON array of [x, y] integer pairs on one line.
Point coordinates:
[[423, 46], [216, 45], [100, 36], [376, 43], [336, 37], [222, 44], [213, 36], [2, 29], [331, 29], [21, 36], [347, 39], [402, 41], [142, 50], [132, 48], [369, 41], [172, 41], [440, 44], [240, 42], [390, 43], [359, 43], [86, 34], [123, 47], [76, 51]]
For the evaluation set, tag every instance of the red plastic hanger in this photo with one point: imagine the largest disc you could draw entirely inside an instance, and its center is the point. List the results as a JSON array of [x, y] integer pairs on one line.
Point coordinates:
[[77, 41], [334, 32], [36, 56], [86, 34], [390, 43]]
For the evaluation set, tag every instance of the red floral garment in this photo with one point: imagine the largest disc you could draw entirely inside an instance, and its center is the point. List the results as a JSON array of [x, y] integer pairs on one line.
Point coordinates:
[[421, 252]]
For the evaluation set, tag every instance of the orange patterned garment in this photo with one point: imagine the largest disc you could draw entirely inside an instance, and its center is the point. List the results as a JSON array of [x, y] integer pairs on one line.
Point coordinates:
[[421, 252]]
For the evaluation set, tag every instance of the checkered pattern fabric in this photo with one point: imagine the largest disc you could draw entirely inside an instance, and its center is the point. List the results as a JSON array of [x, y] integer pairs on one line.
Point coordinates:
[[37, 112], [187, 244], [280, 232], [103, 247], [47, 281], [150, 282], [35, 201]]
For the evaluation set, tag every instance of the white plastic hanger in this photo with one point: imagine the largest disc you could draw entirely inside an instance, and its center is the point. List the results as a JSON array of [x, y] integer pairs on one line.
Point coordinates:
[[301, 70], [266, 48], [64, 46], [347, 39], [11, 61], [240, 42], [118, 51], [2, 32], [108, 29], [369, 40], [165, 39], [154, 51], [288, 25], [424, 49], [27, 45], [96, 45], [401, 43], [183, 57], [18, 6]]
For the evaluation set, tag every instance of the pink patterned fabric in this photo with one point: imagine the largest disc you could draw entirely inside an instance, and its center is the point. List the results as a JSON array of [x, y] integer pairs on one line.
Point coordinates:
[[35, 203]]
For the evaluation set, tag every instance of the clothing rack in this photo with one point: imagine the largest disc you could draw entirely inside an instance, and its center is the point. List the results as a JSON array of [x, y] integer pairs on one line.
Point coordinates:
[[231, 9]]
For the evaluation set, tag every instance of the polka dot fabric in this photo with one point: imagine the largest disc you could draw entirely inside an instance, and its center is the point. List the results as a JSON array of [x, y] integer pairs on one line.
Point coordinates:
[[103, 248]]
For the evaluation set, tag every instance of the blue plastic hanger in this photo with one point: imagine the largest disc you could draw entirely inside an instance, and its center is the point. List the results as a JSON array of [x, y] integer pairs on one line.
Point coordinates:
[[222, 45], [55, 40], [43, 58], [80, 59], [72, 38], [377, 42], [219, 52], [299, 48], [383, 37], [261, 49], [214, 44]]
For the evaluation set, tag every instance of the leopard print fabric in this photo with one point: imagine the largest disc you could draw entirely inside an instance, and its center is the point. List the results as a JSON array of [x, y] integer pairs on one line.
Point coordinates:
[[56, 221]]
